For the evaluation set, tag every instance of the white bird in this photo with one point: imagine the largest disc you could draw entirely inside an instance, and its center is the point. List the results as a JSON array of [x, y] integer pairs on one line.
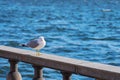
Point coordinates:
[[36, 44], [106, 10]]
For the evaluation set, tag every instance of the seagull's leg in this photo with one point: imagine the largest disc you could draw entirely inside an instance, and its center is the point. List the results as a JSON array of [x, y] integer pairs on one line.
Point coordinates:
[[37, 53]]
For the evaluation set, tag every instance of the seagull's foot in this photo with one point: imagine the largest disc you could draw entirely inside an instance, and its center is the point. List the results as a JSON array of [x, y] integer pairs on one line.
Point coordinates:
[[38, 54]]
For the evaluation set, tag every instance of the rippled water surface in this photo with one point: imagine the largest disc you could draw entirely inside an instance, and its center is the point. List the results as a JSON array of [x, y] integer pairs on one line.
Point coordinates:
[[81, 29]]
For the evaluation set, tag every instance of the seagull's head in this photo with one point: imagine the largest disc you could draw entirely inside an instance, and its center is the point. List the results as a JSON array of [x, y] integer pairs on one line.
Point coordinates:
[[41, 38]]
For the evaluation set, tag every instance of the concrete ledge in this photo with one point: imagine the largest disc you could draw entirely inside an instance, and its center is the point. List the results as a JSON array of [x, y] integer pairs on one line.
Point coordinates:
[[86, 68]]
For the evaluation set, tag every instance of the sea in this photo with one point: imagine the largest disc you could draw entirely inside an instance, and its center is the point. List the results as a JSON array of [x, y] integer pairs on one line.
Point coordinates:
[[79, 29]]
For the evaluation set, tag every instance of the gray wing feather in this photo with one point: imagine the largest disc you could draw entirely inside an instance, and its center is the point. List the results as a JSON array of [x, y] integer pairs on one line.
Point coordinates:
[[33, 43]]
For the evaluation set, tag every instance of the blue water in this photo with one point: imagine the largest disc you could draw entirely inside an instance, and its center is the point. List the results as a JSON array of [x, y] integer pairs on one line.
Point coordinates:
[[81, 29]]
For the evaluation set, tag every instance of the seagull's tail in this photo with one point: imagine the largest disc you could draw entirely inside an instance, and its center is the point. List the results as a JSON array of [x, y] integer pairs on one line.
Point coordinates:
[[23, 45]]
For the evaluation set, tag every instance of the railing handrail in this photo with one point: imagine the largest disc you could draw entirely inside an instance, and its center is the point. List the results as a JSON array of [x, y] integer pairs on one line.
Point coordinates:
[[90, 69]]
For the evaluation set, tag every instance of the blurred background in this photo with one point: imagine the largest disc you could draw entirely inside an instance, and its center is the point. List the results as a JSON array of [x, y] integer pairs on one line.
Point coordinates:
[[81, 29]]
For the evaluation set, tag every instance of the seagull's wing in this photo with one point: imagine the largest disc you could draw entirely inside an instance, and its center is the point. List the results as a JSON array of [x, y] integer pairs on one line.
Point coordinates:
[[33, 43]]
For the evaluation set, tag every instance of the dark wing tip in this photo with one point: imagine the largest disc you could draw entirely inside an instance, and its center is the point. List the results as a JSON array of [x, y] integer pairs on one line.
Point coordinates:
[[23, 45]]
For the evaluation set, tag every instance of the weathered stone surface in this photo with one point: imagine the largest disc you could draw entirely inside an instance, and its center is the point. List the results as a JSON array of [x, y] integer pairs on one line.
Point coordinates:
[[91, 69]]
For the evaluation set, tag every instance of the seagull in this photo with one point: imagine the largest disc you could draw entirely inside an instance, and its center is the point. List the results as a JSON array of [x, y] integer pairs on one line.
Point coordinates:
[[36, 44]]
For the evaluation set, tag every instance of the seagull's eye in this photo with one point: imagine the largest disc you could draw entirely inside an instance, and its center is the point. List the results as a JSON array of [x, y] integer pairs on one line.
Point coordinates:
[[40, 39]]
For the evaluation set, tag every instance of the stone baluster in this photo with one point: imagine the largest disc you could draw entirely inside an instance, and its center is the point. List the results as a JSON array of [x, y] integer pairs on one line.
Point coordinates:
[[38, 73], [66, 75], [13, 74]]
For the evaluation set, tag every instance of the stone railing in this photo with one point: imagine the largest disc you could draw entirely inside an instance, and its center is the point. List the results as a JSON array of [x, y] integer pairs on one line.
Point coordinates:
[[67, 66]]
